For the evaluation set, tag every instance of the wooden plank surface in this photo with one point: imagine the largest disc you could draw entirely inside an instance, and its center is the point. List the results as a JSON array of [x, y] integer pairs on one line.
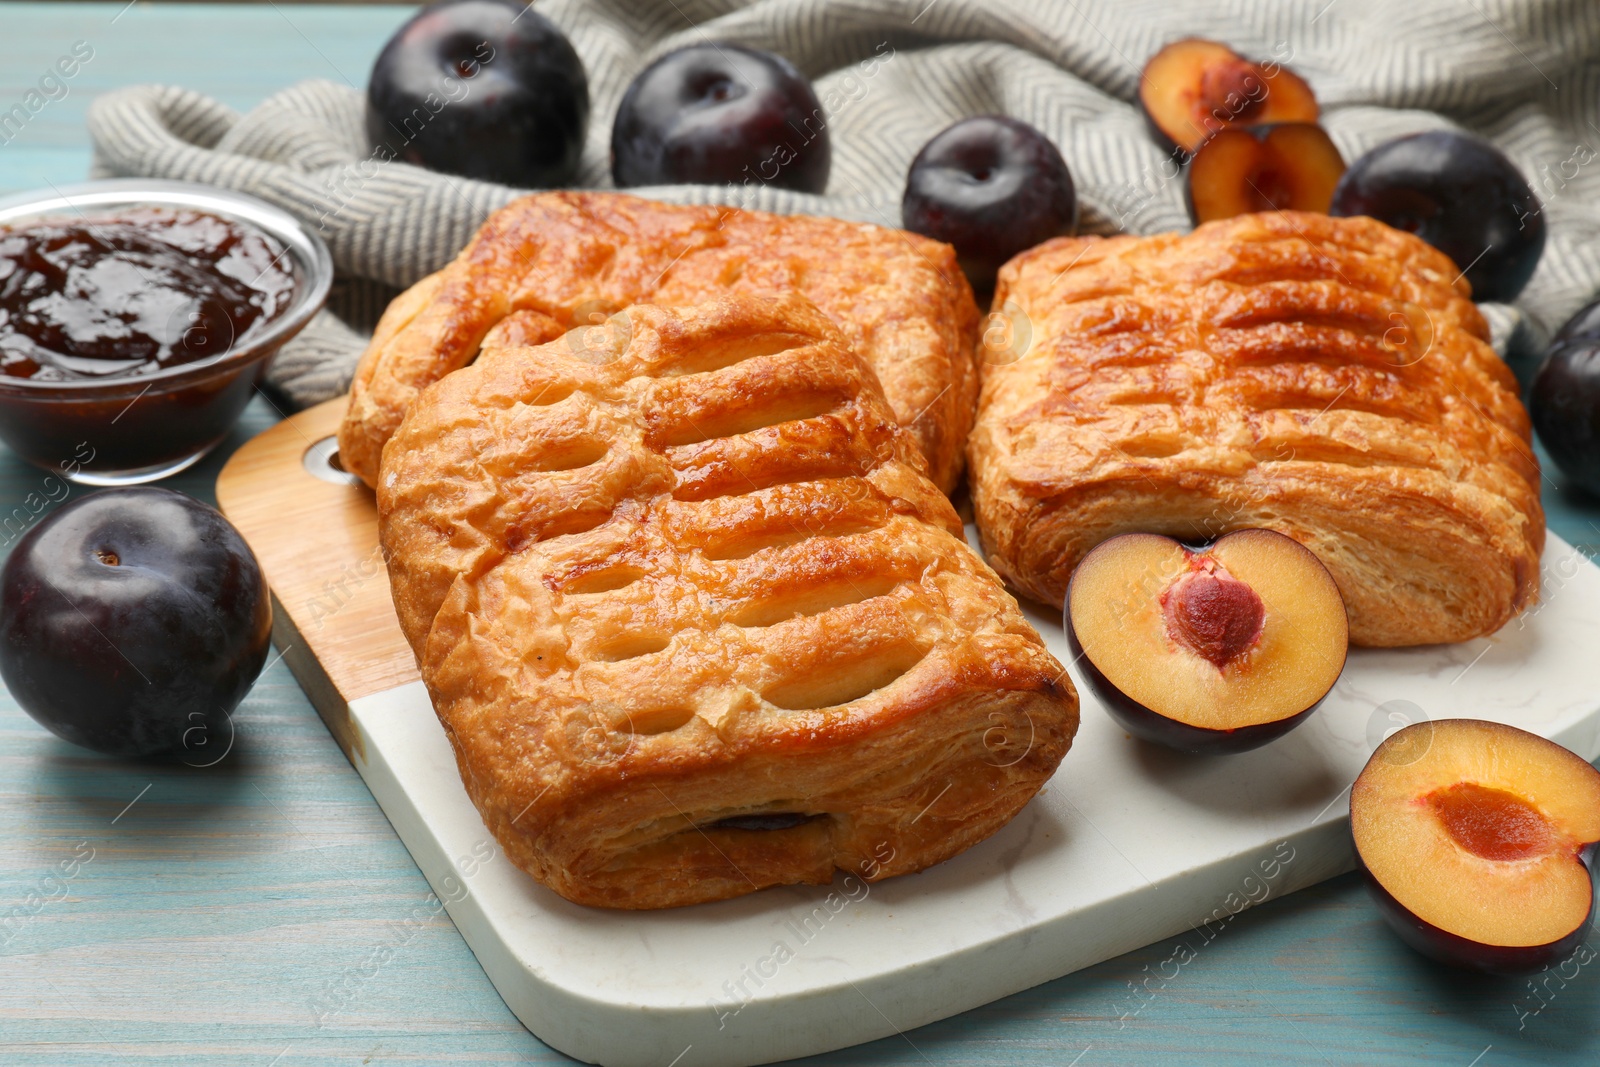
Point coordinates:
[[262, 912]]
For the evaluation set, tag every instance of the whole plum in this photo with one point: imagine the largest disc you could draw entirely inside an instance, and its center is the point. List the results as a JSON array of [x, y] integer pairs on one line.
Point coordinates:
[[720, 113], [990, 186], [1460, 194], [132, 622], [1564, 404], [487, 89]]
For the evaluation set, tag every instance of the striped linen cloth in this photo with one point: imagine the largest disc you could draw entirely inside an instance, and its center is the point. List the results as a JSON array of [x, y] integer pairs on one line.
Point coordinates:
[[890, 74]]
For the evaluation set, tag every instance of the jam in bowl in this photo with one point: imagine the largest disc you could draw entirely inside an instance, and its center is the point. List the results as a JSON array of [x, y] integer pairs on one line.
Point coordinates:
[[138, 317]]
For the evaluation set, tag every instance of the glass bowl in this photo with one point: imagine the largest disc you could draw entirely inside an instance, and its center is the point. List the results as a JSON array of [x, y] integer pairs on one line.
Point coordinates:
[[119, 431]]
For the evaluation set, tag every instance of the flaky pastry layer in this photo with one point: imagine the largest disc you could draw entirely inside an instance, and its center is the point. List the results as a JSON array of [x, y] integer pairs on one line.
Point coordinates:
[[1328, 378], [554, 261], [695, 620]]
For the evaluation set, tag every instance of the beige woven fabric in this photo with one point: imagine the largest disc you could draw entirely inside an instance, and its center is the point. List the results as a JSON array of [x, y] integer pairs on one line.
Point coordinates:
[[890, 74]]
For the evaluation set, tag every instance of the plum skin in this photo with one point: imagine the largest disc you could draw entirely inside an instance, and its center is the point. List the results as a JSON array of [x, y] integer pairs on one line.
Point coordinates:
[[991, 187], [1564, 406], [1458, 951], [1564, 397], [132, 618], [1583, 325], [511, 96], [721, 113], [1148, 725], [1461, 195]]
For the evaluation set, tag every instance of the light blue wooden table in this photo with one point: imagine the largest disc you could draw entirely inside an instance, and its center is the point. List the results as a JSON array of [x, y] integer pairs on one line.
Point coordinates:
[[223, 911]]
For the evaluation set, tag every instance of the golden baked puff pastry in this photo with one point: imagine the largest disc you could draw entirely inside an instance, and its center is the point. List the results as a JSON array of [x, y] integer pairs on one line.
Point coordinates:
[[1328, 378], [695, 620], [554, 261]]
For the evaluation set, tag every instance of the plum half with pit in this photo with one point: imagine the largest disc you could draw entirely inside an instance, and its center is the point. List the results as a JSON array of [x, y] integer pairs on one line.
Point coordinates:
[[1207, 650], [1192, 88], [133, 622], [718, 113], [1477, 842], [1290, 166], [1564, 405], [991, 187], [487, 89], [1460, 194]]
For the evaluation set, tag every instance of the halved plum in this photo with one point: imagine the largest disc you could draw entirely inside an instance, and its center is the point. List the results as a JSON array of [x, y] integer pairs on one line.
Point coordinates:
[[1479, 851], [1192, 88], [1219, 649], [1291, 166]]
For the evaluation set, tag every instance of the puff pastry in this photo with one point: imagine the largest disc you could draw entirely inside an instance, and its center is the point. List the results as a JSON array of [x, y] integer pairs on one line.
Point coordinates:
[[1328, 378], [553, 261], [694, 619]]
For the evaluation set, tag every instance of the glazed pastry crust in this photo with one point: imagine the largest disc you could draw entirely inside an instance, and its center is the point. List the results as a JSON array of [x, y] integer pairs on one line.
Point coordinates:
[[554, 261], [1328, 378], [686, 567]]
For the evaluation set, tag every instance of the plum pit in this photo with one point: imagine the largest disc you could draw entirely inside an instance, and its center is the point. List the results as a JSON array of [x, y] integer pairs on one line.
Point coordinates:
[[1213, 614], [1492, 823], [1231, 91], [1273, 191]]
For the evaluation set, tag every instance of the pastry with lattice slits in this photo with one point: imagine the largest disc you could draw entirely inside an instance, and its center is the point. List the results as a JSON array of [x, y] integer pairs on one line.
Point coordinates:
[[550, 262], [1327, 378], [694, 618]]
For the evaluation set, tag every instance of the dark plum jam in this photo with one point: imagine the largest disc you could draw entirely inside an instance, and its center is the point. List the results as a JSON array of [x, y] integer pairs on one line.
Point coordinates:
[[134, 292], [132, 337]]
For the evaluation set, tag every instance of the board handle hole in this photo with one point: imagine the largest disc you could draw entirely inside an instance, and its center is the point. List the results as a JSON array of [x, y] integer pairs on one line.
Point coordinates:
[[322, 462]]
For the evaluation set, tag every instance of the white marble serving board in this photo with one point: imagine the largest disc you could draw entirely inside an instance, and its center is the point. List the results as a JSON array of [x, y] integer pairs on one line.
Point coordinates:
[[1127, 845]]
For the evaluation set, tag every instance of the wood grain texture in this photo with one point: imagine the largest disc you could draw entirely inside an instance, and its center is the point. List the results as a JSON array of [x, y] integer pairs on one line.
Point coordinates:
[[318, 544], [228, 908]]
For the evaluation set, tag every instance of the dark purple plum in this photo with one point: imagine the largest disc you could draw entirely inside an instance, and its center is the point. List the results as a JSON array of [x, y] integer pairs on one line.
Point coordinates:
[[1460, 194], [487, 89], [991, 187], [717, 113], [1583, 325], [132, 622], [1564, 403]]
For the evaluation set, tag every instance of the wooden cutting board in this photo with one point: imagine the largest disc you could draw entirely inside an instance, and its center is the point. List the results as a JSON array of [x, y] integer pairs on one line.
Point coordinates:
[[314, 528], [1127, 845]]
